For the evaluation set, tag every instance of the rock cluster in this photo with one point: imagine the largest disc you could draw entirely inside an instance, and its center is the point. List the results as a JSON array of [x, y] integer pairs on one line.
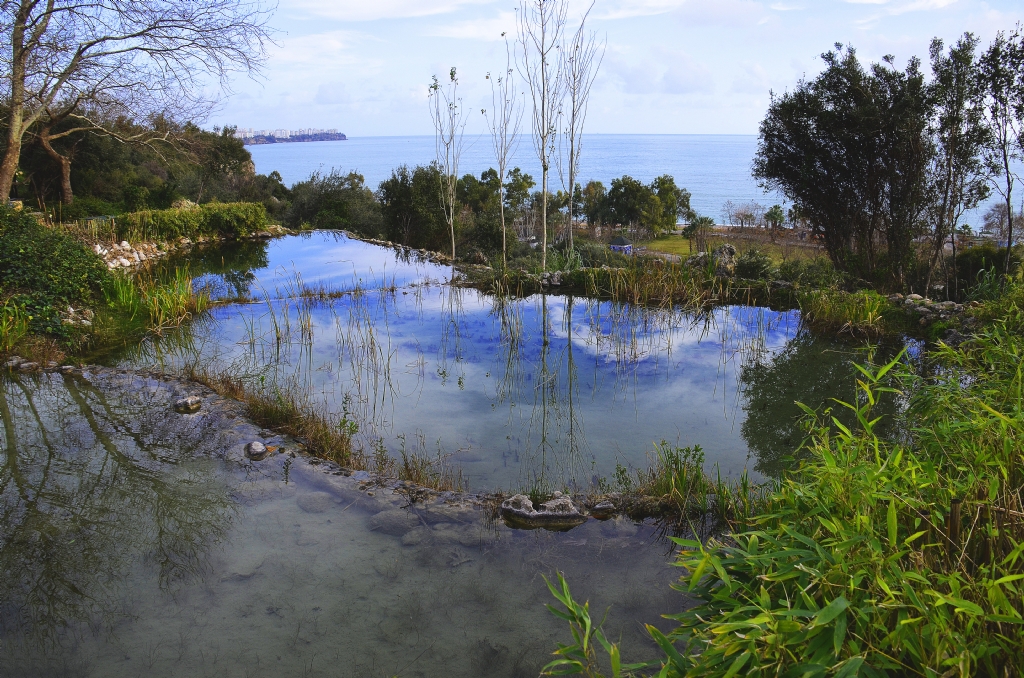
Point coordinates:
[[18, 364], [82, 317], [551, 279], [929, 311], [723, 257], [123, 255], [559, 513]]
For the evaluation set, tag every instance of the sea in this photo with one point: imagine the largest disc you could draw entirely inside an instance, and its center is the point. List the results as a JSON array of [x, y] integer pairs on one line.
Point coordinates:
[[714, 168]]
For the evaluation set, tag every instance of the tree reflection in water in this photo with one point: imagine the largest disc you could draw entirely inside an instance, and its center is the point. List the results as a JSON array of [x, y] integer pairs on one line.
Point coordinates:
[[810, 370], [86, 485]]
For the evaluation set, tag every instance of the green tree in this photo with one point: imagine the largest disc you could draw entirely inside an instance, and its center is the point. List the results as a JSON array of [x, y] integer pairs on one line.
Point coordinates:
[[957, 175], [595, 202], [850, 149], [775, 217], [675, 201]]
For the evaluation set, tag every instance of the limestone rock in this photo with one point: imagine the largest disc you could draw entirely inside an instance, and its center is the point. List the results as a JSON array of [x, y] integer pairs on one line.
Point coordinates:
[[558, 513], [256, 451], [188, 405]]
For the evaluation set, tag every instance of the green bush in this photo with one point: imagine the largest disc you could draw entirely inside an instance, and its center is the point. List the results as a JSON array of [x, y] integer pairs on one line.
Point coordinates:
[[817, 272], [43, 271], [233, 220], [754, 264]]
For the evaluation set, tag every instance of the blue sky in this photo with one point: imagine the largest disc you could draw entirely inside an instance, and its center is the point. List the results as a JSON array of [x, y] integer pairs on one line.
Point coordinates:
[[671, 67]]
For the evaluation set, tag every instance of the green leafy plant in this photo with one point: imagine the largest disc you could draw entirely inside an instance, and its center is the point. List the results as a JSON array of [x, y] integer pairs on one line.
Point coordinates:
[[581, 656]]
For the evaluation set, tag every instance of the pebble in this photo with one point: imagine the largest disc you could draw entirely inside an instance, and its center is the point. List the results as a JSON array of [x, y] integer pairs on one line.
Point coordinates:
[[188, 405], [256, 451], [28, 367]]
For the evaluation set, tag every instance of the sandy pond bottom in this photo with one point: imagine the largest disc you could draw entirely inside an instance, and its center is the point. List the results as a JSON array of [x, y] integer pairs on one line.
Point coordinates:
[[139, 542]]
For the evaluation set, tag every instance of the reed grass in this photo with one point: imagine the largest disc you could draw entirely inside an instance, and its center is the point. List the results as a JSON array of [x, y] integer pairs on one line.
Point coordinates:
[[864, 314], [14, 322], [166, 303], [677, 482]]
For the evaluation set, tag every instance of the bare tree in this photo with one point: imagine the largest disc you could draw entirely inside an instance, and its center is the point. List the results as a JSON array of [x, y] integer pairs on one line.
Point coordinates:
[[541, 24], [449, 124], [503, 123], [66, 50], [582, 56], [729, 213], [1001, 73]]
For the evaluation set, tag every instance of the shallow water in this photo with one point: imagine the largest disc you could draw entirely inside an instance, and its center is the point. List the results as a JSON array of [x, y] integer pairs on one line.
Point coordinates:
[[135, 541], [547, 391]]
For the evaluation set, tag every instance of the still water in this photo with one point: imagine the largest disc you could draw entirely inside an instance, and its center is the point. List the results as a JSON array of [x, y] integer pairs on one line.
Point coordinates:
[[548, 391], [138, 542]]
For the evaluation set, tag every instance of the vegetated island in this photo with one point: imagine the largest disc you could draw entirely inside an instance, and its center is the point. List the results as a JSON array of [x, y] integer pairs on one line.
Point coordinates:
[[272, 139]]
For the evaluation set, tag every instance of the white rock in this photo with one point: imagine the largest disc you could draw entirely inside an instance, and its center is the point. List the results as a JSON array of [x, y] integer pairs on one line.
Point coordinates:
[[125, 245]]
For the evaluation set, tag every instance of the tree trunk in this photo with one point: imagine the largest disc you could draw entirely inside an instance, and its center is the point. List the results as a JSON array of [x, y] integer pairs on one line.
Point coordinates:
[[66, 195]]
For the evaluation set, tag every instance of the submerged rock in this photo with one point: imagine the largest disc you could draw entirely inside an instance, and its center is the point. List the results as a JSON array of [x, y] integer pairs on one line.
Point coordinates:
[[188, 405], [256, 451], [315, 502], [395, 522], [556, 514]]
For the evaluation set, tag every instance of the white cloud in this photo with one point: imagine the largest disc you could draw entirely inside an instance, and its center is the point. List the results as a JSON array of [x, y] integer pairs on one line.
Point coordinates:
[[479, 29], [371, 10]]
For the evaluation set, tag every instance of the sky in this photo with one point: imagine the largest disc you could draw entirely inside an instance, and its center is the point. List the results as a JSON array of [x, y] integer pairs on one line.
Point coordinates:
[[670, 66]]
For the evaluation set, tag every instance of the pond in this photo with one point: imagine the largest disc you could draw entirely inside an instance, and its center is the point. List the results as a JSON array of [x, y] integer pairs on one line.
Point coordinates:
[[142, 542], [544, 392]]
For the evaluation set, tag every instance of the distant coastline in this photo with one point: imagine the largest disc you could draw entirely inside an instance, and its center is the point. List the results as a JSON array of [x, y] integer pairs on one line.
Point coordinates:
[[295, 138]]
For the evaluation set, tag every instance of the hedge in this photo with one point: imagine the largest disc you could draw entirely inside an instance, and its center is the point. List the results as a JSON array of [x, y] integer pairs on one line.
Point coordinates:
[[233, 220]]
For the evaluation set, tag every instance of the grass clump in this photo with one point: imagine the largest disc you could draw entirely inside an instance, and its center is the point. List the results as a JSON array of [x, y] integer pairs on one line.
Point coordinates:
[[165, 303], [861, 314], [676, 480], [13, 325], [232, 220]]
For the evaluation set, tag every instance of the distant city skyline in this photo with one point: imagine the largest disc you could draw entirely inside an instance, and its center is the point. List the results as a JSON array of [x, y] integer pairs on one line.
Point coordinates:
[[281, 133], [671, 67]]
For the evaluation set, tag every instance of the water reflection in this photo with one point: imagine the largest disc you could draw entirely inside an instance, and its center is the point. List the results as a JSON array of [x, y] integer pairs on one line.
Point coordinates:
[[88, 486], [812, 371], [544, 391], [131, 545]]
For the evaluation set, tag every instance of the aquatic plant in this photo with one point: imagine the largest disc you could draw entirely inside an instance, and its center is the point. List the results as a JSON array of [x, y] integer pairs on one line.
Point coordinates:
[[676, 479], [234, 220], [167, 302], [859, 314], [581, 656], [13, 325]]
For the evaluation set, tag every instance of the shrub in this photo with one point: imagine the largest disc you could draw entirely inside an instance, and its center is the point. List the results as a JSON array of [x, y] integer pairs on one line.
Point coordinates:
[[233, 220], [857, 313], [754, 264], [817, 272], [43, 270]]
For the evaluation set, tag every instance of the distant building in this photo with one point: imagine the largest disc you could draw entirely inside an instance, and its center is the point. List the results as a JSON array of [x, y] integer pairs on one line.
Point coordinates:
[[249, 135], [621, 244]]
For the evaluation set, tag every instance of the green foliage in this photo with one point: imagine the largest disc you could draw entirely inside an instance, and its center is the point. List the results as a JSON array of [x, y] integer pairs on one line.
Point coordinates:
[[335, 200], [167, 303], [849, 148], [581, 657], [43, 270], [233, 220], [754, 264], [980, 269], [654, 207], [817, 272], [864, 313], [13, 325]]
